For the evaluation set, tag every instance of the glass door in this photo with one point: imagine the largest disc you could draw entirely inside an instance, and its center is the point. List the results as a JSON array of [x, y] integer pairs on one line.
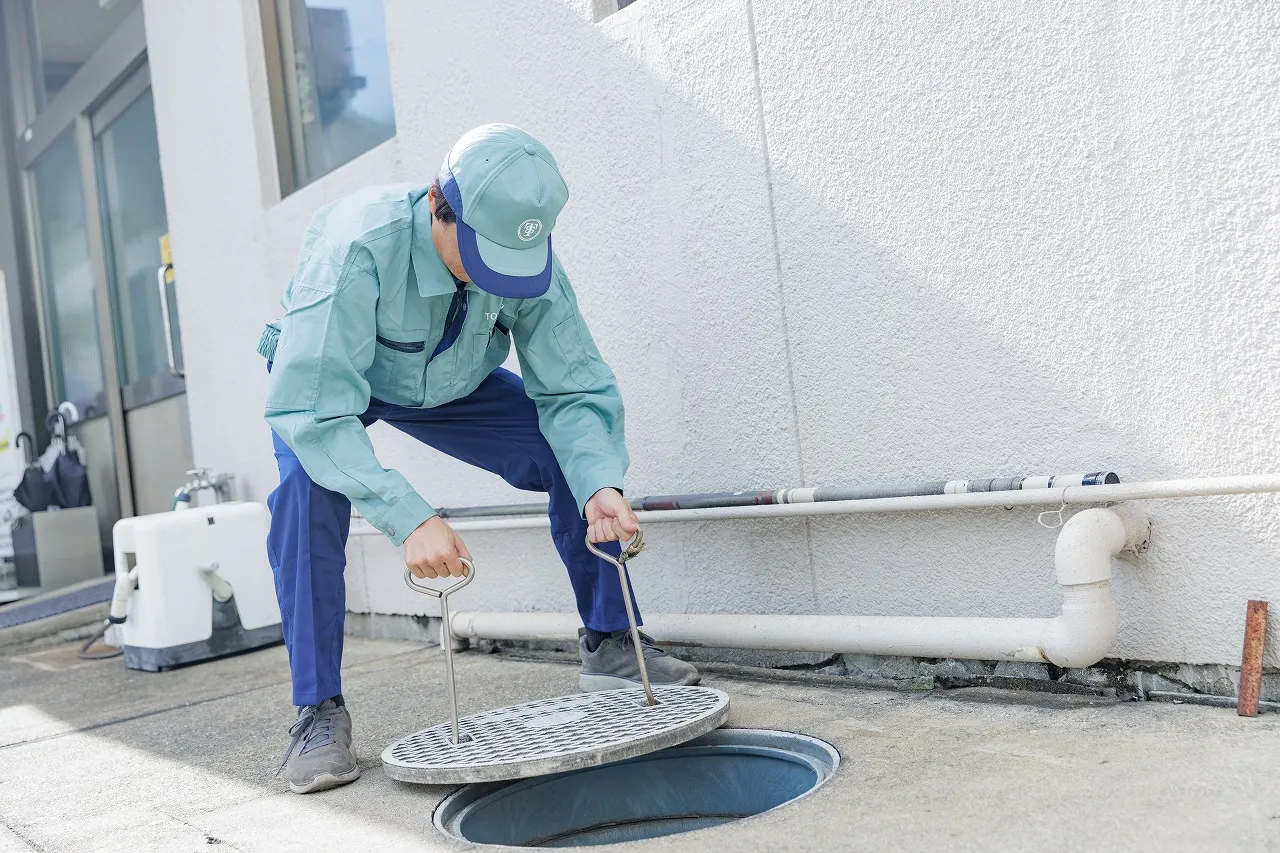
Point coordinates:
[[62, 233], [102, 285], [63, 59], [148, 346], [62, 240]]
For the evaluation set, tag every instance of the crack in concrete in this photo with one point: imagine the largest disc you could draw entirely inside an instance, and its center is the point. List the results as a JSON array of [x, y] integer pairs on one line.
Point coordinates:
[[782, 296], [24, 839], [773, 227], [208, 839]]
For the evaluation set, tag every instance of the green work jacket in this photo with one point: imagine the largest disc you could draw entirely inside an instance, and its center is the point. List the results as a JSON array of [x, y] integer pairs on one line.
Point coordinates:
[[364, 312]]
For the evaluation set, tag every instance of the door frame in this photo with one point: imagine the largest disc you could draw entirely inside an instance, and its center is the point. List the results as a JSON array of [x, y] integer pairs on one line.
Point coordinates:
[[124, 51], [95, 95]]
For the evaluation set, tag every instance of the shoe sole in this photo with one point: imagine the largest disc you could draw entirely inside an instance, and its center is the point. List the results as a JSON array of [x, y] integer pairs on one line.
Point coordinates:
[[325, 781], [590, 683]]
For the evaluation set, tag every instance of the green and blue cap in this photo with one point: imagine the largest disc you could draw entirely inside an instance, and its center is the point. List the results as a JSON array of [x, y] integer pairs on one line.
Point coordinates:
[[507, 191]]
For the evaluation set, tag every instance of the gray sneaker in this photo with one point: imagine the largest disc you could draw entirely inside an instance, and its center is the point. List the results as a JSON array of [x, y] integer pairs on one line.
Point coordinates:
[[612, 666], [324, 758]]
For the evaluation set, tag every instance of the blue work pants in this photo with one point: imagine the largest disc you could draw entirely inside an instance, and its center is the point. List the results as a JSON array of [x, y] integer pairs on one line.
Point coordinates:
[[494, 428]]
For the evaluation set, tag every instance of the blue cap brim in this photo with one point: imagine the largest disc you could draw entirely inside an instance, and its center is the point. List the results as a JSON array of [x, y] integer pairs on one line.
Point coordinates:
[[473, 248]]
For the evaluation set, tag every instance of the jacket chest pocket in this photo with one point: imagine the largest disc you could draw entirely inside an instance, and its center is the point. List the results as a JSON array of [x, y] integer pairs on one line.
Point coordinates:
[[497, 345], [477, 354], [473, 357], [396, 375]]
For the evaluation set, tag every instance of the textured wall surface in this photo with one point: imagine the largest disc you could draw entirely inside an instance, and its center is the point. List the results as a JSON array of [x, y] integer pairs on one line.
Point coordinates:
[[823, 244]]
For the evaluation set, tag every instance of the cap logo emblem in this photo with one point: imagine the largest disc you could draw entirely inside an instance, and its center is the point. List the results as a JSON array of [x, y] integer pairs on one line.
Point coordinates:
[[529, 229]]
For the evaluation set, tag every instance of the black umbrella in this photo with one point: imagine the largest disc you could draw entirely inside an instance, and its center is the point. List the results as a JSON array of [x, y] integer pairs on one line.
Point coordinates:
[[69, 476], [35, 491]]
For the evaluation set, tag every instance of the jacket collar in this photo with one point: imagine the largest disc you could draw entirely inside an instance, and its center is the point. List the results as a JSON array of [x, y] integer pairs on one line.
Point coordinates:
[[434, 278]]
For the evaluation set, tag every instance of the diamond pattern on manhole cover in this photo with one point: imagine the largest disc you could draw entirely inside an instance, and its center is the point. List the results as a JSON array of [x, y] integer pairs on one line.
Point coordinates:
[[555, 735]]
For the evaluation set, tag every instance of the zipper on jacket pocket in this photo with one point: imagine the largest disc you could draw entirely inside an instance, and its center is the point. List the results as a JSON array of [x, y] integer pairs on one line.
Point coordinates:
[[401, 346]]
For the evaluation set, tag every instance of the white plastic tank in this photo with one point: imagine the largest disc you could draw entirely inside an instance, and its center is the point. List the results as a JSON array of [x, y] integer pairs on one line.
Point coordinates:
[[183, 562]]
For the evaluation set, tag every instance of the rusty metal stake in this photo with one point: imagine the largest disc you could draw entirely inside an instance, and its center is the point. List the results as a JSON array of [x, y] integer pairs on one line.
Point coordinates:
[[1255, 634]]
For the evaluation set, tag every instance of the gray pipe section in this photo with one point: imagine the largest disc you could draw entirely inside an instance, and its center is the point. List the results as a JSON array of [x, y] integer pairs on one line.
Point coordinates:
[[707, 500]]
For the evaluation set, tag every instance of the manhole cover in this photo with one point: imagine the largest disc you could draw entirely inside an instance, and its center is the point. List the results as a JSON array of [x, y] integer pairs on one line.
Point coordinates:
[[555, 735]]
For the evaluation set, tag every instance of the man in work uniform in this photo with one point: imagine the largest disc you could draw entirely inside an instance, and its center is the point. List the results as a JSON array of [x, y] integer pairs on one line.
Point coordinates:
[[405, 301]]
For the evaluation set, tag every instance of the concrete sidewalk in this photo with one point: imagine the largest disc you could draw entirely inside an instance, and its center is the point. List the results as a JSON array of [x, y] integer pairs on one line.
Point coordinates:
[[94, 757]]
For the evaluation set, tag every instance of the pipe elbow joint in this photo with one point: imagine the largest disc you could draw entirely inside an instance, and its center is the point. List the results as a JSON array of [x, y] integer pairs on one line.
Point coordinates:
[[1086, 545], [1086, 630]]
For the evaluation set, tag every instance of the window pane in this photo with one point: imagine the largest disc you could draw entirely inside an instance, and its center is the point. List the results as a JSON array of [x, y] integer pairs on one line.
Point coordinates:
[[66, 275], [65, 33], [134, 221], [338, 82]]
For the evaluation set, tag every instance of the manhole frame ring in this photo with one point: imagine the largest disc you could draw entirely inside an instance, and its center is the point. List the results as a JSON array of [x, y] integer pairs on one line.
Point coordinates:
[[826, 747]]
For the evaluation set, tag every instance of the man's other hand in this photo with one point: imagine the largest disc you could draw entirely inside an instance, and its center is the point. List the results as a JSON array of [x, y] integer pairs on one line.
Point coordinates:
[[433, 550], [609, 517]]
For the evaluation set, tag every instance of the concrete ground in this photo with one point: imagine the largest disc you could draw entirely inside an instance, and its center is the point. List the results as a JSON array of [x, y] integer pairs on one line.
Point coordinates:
[[94, 757]]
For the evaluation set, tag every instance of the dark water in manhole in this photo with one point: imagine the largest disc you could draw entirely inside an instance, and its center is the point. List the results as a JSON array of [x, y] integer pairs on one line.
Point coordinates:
[[720, 777]]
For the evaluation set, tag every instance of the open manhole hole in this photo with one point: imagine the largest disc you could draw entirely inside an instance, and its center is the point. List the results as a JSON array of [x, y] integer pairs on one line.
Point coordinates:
[[720, 777]]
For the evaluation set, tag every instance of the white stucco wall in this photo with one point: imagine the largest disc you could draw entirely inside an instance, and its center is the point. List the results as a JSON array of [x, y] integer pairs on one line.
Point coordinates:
[[823, 244]]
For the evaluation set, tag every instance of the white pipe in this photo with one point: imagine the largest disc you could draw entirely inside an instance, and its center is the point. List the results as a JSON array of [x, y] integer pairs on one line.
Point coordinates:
[[1081, 635], [217, 583], [126, 582], [1067, 496]]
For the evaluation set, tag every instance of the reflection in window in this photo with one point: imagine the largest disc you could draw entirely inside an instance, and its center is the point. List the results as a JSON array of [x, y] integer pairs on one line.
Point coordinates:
[[63, 34], [336, 82]]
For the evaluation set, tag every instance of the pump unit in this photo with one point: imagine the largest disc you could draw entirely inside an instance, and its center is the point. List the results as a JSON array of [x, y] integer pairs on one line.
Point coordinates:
[[193, 585]]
